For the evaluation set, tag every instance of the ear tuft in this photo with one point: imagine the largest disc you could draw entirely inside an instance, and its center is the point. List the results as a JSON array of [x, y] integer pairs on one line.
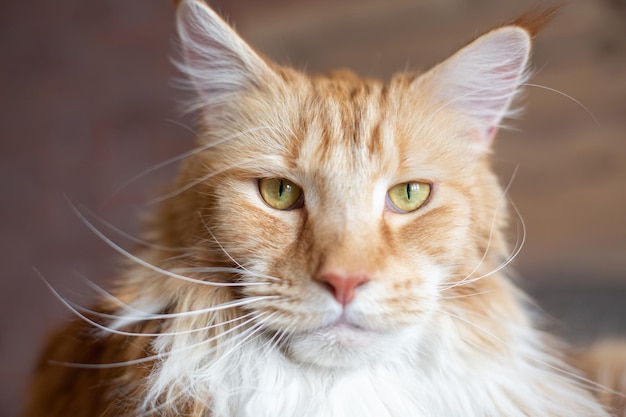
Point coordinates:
[[535, 19], [217, 61]]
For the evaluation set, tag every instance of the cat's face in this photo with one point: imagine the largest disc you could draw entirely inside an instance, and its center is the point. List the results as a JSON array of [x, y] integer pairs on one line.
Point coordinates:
[[356, 204]]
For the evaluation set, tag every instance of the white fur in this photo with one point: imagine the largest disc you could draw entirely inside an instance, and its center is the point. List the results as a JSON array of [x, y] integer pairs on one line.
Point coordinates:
[[437, 375]]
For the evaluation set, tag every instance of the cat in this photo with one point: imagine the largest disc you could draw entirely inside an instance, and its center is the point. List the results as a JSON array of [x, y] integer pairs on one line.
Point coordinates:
[[334, 247]]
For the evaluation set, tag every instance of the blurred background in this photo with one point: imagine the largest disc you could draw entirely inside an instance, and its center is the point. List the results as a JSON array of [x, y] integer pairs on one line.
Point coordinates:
[[87, 104]]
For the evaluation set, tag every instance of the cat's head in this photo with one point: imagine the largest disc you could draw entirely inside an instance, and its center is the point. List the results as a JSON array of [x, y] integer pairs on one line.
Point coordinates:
[[364, 208]]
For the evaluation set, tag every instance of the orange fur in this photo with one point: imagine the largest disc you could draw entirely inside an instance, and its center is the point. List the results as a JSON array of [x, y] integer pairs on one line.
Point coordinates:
[[62, 388]]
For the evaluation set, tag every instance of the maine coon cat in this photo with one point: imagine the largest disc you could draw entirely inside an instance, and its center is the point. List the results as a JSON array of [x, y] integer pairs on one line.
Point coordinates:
[[334, 247]]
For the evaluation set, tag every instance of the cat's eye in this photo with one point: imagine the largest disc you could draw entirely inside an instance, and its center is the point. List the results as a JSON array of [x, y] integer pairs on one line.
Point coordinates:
[[280, 193], [408, 196]]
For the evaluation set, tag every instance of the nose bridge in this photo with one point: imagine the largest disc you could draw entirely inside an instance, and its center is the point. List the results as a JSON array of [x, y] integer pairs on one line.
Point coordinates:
[[349, 257], [346, 220], [350, 245]]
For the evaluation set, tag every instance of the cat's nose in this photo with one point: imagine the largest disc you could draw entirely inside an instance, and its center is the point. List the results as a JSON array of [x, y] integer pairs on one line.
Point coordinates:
[[342, 286]]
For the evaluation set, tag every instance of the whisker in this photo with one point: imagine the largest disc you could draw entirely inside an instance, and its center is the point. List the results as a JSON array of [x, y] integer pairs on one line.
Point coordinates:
[[583, 381], [218, 269], [276, 342], [107, 295], [153, 357], [182, 156], [516, 250], [208, 229], [71, 308], [473, 94], [246, 334], [482, 329], [511, 257], [78, 311], [225, 269], [203, 178], [128, 236], [184, 126], [272, 342], [491, 232], [454, 297], [150, 266], [242, 268], [554, 90], [193, 183], [254, 330], [163, 316]]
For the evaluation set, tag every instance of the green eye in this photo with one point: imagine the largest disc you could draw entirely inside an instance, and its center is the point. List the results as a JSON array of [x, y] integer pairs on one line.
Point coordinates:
[[280, 193], [408, 196]]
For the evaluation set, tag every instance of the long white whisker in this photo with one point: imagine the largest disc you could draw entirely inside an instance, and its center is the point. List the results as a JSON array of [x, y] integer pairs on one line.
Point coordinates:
[[585, 382], [182, 156], [193, 183], [491, 232], [213, 269], [148, 265], [507, 261], [185, 389], [241, 268], [153, 357], [254, 330], [454, 297], [78, 311], [482, 329], [129, 236], [460, 97], [282, 336], [71, 308], [163, 316], [208, 229], [554, 90], [202, 179], [219, 269], [108, 296], [573, 375], [184, 126]]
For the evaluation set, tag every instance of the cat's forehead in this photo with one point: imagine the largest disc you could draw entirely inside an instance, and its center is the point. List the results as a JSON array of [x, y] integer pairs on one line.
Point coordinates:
[[363, 127], [318, 129], [344, 118]]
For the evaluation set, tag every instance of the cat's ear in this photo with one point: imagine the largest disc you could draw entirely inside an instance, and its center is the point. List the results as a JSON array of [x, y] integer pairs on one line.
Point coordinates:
[[481, 80], [217, 61]]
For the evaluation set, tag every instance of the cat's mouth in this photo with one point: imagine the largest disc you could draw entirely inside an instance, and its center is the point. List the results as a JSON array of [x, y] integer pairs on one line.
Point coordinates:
[[342, 343], [342, 323], [344, 330]]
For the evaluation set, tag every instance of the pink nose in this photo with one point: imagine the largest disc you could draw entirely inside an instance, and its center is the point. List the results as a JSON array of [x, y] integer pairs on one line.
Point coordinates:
[[341, 286]]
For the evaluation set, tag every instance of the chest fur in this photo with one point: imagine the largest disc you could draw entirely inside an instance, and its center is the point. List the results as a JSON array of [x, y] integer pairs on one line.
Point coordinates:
[[259, 381]]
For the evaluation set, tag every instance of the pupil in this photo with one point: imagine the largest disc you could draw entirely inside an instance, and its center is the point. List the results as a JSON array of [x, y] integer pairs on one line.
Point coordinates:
[[408, 191], [280, 188]]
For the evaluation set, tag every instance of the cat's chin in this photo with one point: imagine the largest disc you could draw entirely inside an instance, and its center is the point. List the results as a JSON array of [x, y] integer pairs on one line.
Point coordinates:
[[344, 345]]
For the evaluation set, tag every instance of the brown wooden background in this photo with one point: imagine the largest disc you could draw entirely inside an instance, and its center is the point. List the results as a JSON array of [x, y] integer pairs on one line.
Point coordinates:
[[87, 103]]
